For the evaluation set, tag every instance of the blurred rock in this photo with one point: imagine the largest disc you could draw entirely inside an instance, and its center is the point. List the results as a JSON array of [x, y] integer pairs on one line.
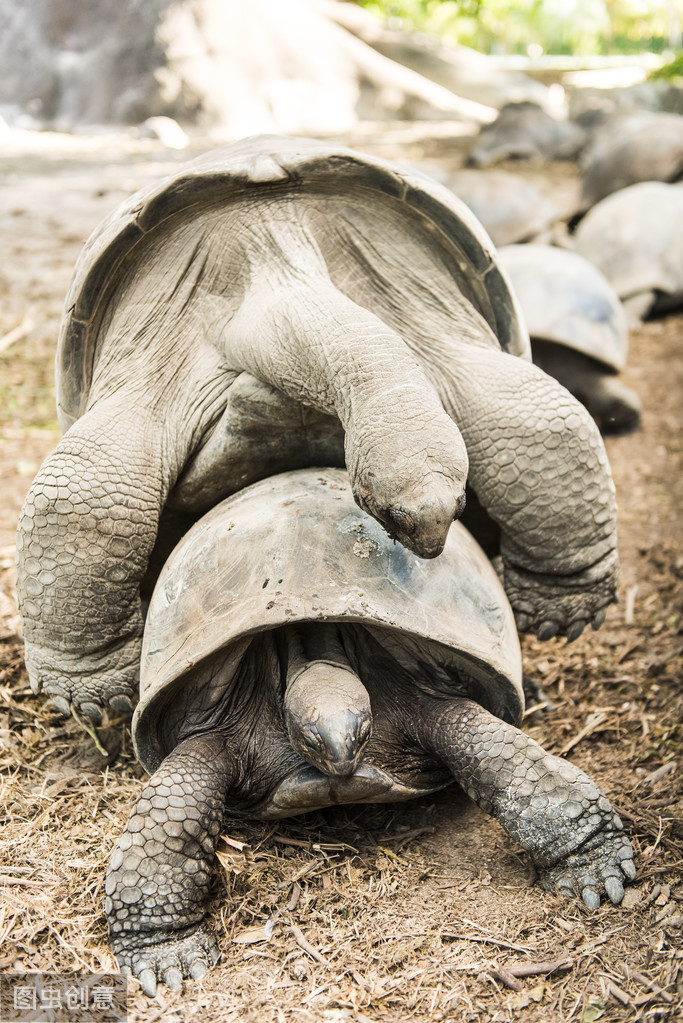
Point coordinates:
[[166, 130], [238, 68]]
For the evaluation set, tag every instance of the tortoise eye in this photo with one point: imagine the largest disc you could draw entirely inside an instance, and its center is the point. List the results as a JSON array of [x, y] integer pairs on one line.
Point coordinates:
[[312, 740]]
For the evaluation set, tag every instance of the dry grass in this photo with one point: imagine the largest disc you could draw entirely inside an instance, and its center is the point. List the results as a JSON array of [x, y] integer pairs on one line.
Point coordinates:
[[419, 912]]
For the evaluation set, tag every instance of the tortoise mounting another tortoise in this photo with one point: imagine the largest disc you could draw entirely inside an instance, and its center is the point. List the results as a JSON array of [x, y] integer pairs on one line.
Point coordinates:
[[295, 658], [277, 304]]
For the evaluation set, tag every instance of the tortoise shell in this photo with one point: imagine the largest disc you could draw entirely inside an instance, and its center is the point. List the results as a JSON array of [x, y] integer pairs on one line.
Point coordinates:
[[267, 166], [564, 298], [629, 148], [511, 208], [635, 237], [296, 548]]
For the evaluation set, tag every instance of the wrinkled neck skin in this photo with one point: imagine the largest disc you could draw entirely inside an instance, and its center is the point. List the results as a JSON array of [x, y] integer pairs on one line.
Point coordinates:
[[255, 292], [293, 306], [244, 703]]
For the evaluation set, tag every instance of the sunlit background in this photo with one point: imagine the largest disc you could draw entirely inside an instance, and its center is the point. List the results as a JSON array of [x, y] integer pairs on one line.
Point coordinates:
[[535, 27]]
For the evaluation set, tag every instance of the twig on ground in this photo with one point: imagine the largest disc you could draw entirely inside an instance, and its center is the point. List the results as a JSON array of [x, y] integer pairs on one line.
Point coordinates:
[[306, 945], [511, 974]]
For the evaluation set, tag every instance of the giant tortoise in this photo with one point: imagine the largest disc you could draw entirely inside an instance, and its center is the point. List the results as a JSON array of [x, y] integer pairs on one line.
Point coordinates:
[[511, 208], [628, 148], [277, 304], [635, 238], [295, 658], [578, 329], [524, 131]]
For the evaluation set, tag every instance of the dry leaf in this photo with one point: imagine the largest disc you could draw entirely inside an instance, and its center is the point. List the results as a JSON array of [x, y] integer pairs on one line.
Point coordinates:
[[631, 898], [252, 935], [519, 1000], [537, 991]]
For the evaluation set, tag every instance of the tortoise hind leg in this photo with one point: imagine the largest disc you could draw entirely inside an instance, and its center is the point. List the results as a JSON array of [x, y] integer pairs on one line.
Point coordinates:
[[546, 804], [87, 529], [159, 872]]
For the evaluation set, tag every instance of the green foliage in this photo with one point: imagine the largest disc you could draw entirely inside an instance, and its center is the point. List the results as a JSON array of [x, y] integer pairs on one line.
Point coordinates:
[[556, 26], [674, 69]]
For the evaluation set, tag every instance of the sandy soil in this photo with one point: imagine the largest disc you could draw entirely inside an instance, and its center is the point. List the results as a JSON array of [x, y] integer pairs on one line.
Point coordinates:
[[411, 912]]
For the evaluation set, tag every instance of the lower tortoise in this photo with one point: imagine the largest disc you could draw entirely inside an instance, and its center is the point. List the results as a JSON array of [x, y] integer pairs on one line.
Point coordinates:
[[294, 658]]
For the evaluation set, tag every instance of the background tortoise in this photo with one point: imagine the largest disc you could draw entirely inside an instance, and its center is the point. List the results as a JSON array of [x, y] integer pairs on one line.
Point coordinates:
[[294, 658], [510, 208], [635, 237], [577, 327], [524, 131], [282, 303], [628, 148]]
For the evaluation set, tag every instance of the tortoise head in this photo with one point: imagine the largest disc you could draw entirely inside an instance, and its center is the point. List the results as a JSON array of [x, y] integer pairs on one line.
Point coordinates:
[[328, 717]]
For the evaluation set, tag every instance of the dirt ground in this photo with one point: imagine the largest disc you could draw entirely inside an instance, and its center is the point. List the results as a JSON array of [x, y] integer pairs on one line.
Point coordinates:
[[411, 912]]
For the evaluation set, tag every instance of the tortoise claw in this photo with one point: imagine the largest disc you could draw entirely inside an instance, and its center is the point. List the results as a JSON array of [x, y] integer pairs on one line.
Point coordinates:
[[590, 897], [614, 889], [598, 618], [148, 982], [92, 711], [629, 869], [575, 630], [198, 969], [547, 630], [173, 979], [60, 704], [522, 621], [121, 704]]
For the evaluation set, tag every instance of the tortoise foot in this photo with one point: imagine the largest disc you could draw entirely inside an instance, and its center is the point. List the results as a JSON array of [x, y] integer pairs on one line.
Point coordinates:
[[89, 686], [167, 959], [561, 605], [598, 868]]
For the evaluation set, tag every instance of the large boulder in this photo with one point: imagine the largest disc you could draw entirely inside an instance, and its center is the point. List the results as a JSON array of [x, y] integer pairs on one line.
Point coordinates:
[[261, 66]]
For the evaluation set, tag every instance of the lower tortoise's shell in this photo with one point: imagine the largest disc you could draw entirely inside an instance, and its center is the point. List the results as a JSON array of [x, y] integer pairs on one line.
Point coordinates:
[[296, 548]]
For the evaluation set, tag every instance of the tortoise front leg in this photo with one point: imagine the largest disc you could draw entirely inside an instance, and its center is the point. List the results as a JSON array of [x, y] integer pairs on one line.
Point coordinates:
[[548, 805], [159, 872], [539, 468], [87, 529]]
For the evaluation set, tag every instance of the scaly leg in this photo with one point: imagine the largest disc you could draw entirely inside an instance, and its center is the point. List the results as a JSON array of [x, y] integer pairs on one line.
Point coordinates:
[[546, 804], [159, 873]]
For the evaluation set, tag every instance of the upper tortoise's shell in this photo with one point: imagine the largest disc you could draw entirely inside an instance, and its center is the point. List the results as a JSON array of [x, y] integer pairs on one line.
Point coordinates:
[[295, 548], [564, 298], [272, 165]]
